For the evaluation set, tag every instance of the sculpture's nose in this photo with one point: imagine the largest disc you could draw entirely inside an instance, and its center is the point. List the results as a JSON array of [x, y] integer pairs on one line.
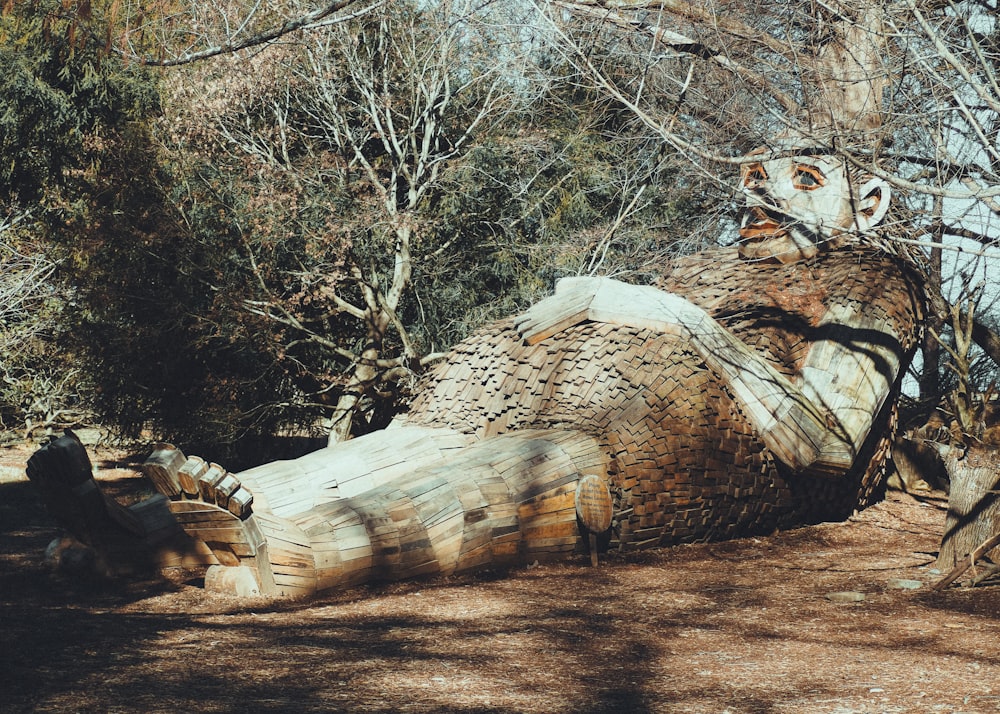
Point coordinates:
[[759, 195], [753, 186]]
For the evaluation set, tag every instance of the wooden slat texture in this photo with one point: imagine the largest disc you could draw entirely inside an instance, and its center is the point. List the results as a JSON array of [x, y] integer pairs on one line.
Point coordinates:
[[348, 469], [681, 440], [687, 463], [189, 474], [162, 468]]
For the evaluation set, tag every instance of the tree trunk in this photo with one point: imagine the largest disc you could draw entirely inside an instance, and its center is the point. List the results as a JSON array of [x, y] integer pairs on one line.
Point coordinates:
[[973, 503], [930, 376], [365, 374]]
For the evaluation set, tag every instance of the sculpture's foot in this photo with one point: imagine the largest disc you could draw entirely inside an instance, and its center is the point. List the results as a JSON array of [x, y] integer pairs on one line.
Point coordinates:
[[214, 508]]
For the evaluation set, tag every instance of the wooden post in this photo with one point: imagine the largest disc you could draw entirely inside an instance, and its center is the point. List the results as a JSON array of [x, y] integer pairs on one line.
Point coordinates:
[[593, 508]]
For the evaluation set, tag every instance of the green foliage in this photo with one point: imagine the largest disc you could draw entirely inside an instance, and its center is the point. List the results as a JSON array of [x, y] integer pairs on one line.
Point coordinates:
[[62, 98], [182, 240], [71, 116], [292, 225]]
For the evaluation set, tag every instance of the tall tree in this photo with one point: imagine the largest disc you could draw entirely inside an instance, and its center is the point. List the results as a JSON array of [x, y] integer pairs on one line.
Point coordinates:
[[338, 150], [69, 113], [904, 90]]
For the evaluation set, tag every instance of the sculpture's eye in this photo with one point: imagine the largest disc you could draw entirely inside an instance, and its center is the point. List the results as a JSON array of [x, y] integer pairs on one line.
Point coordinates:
[[807, 178], [754, 175]]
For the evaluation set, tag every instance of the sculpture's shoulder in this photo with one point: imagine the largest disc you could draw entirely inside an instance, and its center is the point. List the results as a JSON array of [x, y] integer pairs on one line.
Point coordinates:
[[724, 284], [869, 281], [710, 273], [782, 309], [887, 290]]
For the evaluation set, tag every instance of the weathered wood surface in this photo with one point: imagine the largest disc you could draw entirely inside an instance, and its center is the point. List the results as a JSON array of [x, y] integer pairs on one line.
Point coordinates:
[[687, 462], [506, 501], [162, 467], [293, 486], [484, 469], [142, 535]]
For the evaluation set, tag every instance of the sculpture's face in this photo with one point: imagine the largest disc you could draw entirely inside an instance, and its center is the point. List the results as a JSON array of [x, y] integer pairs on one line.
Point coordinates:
[[795, 204]]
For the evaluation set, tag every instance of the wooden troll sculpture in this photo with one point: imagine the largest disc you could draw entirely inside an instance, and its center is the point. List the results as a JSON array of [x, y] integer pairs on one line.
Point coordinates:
[[752, 389]]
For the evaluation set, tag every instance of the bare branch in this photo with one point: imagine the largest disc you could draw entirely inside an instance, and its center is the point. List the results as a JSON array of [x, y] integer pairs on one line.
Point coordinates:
[[685, 45], [320, 17]]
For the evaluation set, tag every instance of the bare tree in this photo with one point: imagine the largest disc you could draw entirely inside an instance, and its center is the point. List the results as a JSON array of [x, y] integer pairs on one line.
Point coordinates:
[[348, 135], [904, 90], [34, 393], [24, 281]]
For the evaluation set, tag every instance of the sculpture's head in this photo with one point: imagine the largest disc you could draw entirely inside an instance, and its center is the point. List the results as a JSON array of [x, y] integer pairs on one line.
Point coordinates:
[[802, 200]]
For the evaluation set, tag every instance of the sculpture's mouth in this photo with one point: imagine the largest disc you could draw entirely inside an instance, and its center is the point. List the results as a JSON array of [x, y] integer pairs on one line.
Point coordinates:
[[758, 222]]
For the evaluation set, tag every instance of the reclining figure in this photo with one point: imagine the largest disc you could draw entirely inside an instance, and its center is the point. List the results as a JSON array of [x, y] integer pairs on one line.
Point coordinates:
[[752, 389]]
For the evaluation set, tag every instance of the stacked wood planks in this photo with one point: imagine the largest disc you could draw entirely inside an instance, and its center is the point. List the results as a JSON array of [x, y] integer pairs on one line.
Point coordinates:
[[686, 463], [508, 500], [496, 503], [485, 468], [290, 487]]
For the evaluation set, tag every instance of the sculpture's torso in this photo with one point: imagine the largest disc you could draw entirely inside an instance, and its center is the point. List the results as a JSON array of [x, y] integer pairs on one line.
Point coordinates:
[[685, 462]]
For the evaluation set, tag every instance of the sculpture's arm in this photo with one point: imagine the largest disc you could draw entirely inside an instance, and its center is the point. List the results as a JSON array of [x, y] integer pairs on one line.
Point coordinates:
[[817, 427]]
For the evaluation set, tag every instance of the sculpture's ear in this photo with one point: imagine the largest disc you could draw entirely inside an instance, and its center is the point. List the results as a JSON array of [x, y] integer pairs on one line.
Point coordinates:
[[873, 202]]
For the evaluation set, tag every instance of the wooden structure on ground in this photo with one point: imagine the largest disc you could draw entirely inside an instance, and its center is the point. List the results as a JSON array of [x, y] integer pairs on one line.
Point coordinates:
[[488, 466]]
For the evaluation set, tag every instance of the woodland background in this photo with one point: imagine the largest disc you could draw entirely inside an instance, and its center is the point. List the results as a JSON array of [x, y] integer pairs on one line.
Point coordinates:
[[222, 222]]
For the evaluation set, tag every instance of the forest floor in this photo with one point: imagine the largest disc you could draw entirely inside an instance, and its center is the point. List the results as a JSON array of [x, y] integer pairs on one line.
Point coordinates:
[[742, 626]]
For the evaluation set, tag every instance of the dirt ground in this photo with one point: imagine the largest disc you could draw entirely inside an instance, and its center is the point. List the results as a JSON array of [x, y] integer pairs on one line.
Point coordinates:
[[744, 626]]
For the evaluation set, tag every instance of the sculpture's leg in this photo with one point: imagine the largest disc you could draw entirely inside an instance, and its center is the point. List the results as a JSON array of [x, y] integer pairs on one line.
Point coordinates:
[[502, 501]]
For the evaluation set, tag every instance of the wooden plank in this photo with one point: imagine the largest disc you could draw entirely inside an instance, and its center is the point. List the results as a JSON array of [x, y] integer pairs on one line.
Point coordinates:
[[474, 558], [189, 473], [199, 511], [475, 537], [289, 540], [593, 504], [451, 511], [161, 468], [554, 543], [494, 491], [349, 537], [539, 501], [505, 551], [429, 567], [240, 503], [502, 512], [226, 486], [282, 560], [565, 515], [540, 487], [188, 554], [208, 480], [447, 538], [554, 529], [297, 578]]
